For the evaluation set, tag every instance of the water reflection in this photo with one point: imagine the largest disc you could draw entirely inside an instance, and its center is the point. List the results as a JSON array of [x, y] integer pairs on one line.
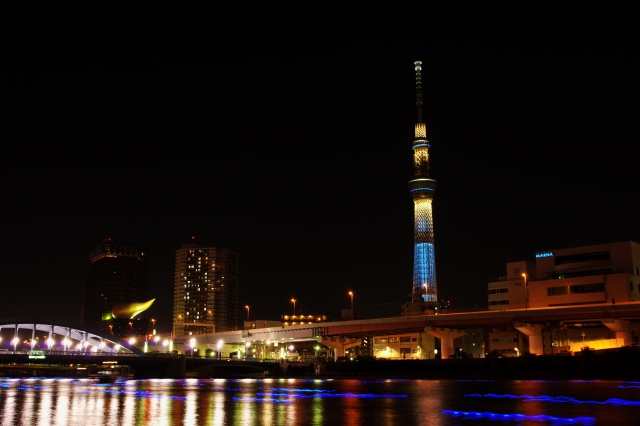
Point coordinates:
[[545, 398], [191, 408], [316, 410], [428, 404], [351, 409], [474, 415], [317, 402], [128, 415]]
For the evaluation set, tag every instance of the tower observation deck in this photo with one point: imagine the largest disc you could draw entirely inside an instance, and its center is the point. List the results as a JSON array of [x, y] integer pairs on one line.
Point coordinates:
[[422, 189]]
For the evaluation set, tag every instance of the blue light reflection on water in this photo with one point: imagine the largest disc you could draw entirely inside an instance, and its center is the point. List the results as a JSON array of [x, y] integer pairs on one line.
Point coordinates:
[[274, 401], [299, 390], [330, 395], [474, 415], [545, 398]]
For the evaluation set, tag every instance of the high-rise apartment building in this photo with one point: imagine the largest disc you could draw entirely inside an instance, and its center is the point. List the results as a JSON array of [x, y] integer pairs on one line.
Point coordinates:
[[118, 276], [205, 296]]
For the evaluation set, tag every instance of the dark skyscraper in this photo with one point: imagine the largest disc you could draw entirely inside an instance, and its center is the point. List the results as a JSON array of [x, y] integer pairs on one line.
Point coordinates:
[[205, 297], [118, 276]]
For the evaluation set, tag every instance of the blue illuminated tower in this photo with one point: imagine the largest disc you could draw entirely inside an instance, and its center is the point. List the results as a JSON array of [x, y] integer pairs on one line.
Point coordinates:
[[422, 189]]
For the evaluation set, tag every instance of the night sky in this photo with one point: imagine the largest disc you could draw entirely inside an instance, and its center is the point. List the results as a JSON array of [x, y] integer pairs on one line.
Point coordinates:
[[292, 147]]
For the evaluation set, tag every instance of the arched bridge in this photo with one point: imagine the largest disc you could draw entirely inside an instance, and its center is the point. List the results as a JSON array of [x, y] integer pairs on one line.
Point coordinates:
[[25, 334], [38, 342]]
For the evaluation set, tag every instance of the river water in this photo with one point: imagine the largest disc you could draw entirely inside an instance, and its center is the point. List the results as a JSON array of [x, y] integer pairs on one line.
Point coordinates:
[[87, 402]]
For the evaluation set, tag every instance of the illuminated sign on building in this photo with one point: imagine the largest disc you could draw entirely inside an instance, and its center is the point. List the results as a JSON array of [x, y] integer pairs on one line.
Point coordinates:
[[36, 354], [545, 254]]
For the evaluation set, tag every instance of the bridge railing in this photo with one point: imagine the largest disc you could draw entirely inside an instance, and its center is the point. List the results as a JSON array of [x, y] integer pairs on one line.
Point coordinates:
[[97, 354]]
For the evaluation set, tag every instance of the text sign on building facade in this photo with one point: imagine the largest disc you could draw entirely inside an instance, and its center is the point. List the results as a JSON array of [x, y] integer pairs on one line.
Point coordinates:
[[545, 254]]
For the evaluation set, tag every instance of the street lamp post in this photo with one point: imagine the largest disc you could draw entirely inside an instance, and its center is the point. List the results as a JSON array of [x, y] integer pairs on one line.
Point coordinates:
[[483, 351], [247, 308], [517, 352], [526, 292], [294, 305], [219, 346], [351, 294], [130, 328], [153, 327]]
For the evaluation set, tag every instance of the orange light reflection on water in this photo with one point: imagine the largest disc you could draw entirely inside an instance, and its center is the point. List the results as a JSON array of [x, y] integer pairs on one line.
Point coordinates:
[[429, 405], [530, 408], [352, 406]]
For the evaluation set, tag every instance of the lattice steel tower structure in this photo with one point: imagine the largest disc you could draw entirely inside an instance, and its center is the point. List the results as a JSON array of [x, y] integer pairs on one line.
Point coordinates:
[[422, 189]]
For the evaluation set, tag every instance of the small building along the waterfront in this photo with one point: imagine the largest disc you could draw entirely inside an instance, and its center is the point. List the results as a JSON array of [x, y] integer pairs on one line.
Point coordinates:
[[605, 273], [588, 275], [405, 346]]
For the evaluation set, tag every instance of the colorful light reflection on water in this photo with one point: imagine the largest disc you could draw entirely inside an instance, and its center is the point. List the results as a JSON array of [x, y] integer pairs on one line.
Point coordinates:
[[315, 402]]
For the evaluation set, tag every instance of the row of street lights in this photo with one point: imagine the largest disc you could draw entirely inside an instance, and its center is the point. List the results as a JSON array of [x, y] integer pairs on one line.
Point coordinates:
[[153, 327], [66, 344], [293, 301]]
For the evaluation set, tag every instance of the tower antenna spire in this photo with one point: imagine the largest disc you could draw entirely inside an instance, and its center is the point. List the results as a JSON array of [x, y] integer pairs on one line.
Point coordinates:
[[418, 68]]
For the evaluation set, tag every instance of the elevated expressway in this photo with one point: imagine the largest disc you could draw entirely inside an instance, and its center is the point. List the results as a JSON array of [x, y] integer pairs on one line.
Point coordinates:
[[621, 318]]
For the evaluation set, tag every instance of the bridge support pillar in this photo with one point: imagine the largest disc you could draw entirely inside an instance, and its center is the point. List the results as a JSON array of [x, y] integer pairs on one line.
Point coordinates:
[[621, 328], [446, 336], [534, 333], [177, 367], [339, 344]]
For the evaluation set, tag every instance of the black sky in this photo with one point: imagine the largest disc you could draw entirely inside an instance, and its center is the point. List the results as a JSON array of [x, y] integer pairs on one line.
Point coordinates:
[[292, 146]]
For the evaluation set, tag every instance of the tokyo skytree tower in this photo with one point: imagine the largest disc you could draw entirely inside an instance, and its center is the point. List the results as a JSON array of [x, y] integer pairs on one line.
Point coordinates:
[[422, 189]]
